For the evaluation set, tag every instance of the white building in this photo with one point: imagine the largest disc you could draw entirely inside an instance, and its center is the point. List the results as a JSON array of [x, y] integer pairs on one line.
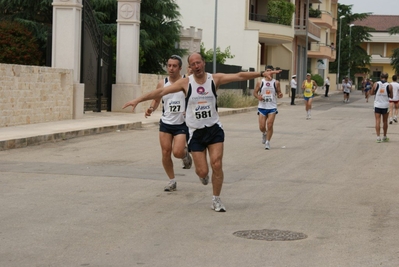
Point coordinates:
[[253, 42], [258, 38]]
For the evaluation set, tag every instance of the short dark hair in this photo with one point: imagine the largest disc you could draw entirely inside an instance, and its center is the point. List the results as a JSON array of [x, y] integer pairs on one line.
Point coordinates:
[[178, 58], [384, 75], [394, 78], [269, 67]]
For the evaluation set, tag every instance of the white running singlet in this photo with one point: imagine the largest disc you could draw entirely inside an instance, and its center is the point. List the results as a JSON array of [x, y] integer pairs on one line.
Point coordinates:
[[347, 87], [201, 102], [173, 107], [395, 91], [381, 99], [268, 92]]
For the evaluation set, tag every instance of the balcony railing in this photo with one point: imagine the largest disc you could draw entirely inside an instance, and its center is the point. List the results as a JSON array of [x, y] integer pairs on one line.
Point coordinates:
[[266, 19], [312, 29], [322, 50], [325, 19]]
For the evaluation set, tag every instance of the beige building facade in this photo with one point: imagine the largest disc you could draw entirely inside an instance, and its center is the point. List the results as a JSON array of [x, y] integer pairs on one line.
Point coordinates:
[[381, 45]]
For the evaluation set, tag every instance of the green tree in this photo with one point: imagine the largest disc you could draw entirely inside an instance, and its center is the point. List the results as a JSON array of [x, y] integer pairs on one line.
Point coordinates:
[[159, 34], [35, 15], [352, 55], [159, 28], [395, 52], [318, 79], [221, 56], [17, 45], [280, 11]]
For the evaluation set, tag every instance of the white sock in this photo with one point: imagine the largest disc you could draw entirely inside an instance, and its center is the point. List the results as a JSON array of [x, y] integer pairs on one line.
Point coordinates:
[[172, 180], [215, 197]]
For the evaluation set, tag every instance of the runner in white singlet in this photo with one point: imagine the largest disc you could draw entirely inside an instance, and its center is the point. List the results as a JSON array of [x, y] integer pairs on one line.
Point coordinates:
[[266, 91], [394, 101], [382, 91], [206, 133], [172, 127]]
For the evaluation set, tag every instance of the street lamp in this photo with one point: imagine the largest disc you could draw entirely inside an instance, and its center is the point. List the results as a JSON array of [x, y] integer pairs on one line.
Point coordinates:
[[350, 39], [339, 46], [215, 36]]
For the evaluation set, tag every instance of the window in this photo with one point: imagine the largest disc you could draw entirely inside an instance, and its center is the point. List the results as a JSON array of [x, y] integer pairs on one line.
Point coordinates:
[[377, 49]]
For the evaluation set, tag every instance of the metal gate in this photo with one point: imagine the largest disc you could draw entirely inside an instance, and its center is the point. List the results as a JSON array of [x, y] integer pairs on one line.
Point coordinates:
[[96, 64]]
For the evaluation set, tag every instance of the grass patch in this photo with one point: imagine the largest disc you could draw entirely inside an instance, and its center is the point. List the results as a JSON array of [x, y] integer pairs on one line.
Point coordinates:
[[233, 100]]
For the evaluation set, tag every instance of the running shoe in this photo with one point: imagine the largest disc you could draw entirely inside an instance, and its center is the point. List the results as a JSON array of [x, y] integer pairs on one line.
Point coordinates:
[[170, 187], [263, 138], [385, 139], [205, 180], [187, 160], [217, 205], [378, 139], [267, 145], [395, 119]]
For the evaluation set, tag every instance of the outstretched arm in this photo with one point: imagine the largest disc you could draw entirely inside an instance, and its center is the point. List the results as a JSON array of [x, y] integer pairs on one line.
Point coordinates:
[[223, 78], [180, 85]]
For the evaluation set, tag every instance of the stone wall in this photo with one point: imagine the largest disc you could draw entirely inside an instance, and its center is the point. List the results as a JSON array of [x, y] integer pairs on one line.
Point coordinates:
[[148, 82], [32, 94]]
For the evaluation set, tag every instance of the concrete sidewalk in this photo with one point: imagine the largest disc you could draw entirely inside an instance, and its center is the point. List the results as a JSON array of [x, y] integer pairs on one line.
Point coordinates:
[[91, 123], [94, 123]]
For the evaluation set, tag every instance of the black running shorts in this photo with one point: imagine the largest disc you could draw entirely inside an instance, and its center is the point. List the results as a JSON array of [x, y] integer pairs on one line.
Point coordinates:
[[204, 137], [173, 129]]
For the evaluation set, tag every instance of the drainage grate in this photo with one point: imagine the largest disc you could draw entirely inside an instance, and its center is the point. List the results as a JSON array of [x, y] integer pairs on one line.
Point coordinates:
[[270, 235]]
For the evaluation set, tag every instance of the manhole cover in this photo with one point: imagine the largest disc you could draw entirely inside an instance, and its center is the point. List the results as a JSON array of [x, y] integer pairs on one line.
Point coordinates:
[[270, 235]]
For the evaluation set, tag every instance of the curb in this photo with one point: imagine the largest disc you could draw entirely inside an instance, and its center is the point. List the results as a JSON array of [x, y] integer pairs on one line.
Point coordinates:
[[65, 135], [60, 136]]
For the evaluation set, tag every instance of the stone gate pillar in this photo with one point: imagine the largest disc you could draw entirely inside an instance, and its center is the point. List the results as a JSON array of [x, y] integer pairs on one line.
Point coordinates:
[[190, 40], [127, 84], [66, 46]]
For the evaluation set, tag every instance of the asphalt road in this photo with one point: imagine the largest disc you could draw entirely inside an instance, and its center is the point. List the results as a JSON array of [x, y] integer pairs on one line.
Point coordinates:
[[99, 201]]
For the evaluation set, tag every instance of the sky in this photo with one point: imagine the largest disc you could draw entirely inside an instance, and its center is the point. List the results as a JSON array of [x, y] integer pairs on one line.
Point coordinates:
[[377, 7]]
